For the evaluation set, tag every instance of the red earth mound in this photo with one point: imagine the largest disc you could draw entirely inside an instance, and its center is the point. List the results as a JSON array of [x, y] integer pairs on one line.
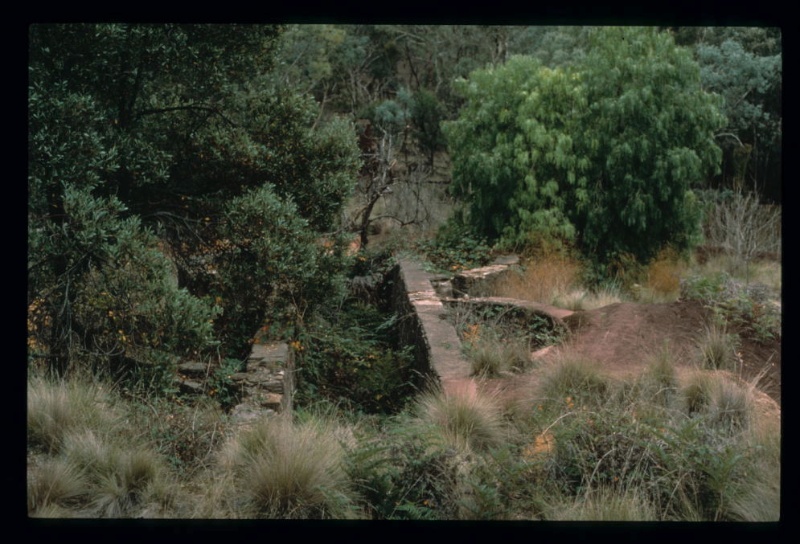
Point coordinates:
[[620, 338]]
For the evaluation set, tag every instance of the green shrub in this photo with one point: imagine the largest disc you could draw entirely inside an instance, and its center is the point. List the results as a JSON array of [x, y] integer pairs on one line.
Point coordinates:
[[352, 358], [455, 248], [407, 471]]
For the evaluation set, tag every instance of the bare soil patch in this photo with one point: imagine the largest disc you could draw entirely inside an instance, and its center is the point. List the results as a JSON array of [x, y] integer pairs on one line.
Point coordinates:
[[621, 338]]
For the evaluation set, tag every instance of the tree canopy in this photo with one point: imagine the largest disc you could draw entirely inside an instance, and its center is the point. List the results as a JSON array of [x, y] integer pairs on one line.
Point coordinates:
[[149, 146], [603, 153]]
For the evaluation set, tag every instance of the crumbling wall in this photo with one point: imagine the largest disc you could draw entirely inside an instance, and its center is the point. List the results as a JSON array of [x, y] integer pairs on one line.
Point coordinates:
[[424, 325]]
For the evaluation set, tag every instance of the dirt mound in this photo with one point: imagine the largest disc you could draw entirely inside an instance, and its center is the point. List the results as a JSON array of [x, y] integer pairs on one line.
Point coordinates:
[[621, 337]]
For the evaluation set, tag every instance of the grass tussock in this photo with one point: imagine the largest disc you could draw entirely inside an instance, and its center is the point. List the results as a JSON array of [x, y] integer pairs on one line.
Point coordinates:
[[718, 349], [56, 408], [584, 300], [660, 380], [542, 279], [491, 356], [574, 379], [721, 398], [285, 470], [663, 276], [54, 485], [605, 504], [467, 421]]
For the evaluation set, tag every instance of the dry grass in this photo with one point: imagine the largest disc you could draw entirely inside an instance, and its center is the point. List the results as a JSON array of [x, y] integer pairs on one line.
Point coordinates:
[[664, 274], [606, 504], [760, 498], [492, 355], [53, 486], [467, 421], [278, 469], [56, 408], [720, 397], [542, 279], [572, 379], [718, 349]]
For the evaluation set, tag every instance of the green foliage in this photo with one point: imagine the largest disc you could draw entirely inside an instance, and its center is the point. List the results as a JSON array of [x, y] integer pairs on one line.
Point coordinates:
[[167, 130], [511, 147], [747, 306], [427, 114], [268, 252], [455, 248], [604, 152], [406, 473], [352, 359]]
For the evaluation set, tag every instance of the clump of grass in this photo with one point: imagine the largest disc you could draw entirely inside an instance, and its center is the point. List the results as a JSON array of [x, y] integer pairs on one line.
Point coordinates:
[[583, 300], [697, 392], [731, 404], [547, 276], [574, 378], [288, 471], [606, 504], [660, 381], [663, 276], [53, 486], [122, 479], [492, 355], [718, 349], [467, 421], [758, 498], [574, 299], [720, 398], [56, 408]]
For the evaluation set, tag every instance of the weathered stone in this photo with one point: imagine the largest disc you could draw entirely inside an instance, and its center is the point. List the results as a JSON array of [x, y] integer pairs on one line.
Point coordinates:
[[193, 369], [437, 347], [190, 386], [508, 260], [271, 356], [478, 281]]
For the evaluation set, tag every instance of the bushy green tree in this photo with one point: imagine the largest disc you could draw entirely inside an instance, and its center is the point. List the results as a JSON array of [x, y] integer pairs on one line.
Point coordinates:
[[143, 140], [649, 134], [604, 152], [511, 149]]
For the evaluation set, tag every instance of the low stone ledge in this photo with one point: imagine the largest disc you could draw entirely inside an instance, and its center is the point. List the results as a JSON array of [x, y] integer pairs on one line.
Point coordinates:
[[437, 347]]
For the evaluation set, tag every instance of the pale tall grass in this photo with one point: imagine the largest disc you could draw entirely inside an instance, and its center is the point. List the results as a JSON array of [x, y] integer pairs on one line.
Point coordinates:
[[467, 421], [541, 280], [56, 408], [605, 504], [278, 469]]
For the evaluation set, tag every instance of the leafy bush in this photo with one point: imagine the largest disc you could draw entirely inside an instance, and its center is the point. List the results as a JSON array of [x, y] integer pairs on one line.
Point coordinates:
[[352, 358], [455, 248], [748, 306], [406, 472], [538, 153]]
